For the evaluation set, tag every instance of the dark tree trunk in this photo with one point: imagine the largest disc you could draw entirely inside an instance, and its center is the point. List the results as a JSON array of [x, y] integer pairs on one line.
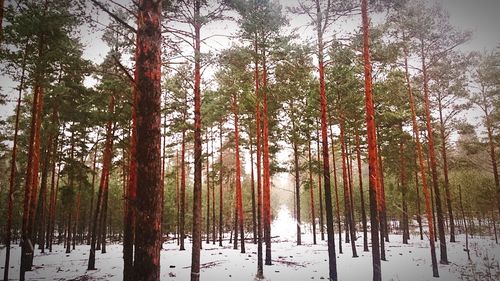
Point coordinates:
[[92, 192], [213, 192], [68, 237], [104, 214], [402, 181], [106, 162], [266, 166], [465, 222], [42, 199], [252, 186], [177, 203], [311, 191], [148, 204], [260, 270], [361, 194], [197, 196], [239, 199], [432, 154], [320, 189], [346, 185], [383, 217], [445, 173], [183, 190], [12, 178], [372, 146], [208, 192], [56, 182], [335, 182], [297, 190], [221, 201], [129, 213], [53, 196]]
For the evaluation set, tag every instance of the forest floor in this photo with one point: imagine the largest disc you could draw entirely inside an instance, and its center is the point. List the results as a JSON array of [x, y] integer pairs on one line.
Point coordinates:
[[290, 262]]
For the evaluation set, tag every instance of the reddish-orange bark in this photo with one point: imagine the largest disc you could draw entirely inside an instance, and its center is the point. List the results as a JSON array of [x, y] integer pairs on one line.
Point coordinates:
[[332, 258], [372, 145], [432, 154], [422, 169], [148, 203]]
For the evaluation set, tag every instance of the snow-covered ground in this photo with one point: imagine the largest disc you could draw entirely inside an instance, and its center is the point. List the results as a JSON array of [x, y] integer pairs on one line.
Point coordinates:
[[290, 262]]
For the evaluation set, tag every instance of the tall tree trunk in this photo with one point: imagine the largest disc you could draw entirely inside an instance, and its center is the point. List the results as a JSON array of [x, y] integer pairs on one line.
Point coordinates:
[[53, 195], [297, 190], [197, 196], [311, 191], [432, 197], [432, 154], [239, 199], [104, 214], [12, 178], [213, 192], [177, 196], [129, 214], [383, 217], [492, 152], [235, 219], [56, 182], [31, 181], [106, 163], [42, 198], [252, 186], [297, 174], [208, 192], [335, 182], [346, 184], [221, 201], [266, 166], [68, 237], [260, 270], [445, 173], [148, 204], [183, 190], [465, 222], [332, 264], [372, 146], [419, 213], [361, 194], [402, 181], [382, 211], [320, 189], [92, 191], [423, 173]]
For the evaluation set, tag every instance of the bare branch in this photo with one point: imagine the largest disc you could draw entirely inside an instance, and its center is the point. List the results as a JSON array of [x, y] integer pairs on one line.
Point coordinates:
[[115, 17]]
